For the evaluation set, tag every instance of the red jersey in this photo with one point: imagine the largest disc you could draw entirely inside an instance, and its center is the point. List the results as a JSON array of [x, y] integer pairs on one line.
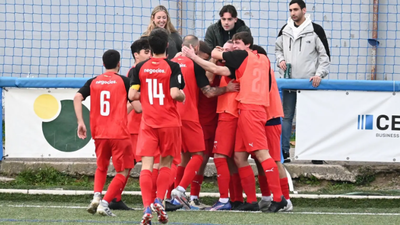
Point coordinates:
[[108, 114], [207, 107], [133, 117], [195, 78], [156, 76]]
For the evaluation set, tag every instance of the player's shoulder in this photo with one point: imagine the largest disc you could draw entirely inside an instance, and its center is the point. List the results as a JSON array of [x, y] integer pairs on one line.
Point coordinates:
[[171, 64], [139, 65], [124, 78]]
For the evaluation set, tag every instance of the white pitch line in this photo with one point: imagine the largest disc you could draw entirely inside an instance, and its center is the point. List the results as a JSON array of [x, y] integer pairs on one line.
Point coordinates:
[[304, 213]]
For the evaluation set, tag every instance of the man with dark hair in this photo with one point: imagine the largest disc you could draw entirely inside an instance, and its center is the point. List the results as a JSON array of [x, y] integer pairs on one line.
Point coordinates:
[[192, 133], [204, 51], [301, 44], [140, 52], [161, 84], [108, 123], [223, 30], [251, 71]]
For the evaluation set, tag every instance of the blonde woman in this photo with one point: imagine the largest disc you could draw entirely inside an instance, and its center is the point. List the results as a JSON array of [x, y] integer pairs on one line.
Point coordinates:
[[160, 18]]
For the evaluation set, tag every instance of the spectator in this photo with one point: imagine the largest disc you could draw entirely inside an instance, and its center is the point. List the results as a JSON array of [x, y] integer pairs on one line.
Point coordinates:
[[223, 30], [302, 44], [160, 18]]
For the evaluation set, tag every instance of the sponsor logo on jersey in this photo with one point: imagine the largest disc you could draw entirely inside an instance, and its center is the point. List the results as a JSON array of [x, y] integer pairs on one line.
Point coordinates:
[[106, 82], [151, 71]]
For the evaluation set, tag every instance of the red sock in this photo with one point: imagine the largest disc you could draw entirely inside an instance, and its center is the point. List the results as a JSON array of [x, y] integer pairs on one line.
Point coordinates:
[[172, 181], [118, 197], [272, 174], [163, 182], [238, 187], [248, 183], [116, 186], [179, 174], [223, 176], [100, 178], [154, 176], [262, 180], [195, 186], [146, 182], [191, 170], [285, 187]]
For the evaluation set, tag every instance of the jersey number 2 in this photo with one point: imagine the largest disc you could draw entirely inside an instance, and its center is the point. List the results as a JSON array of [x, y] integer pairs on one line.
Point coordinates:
[[153, 92], [104, 105], [256, 80]]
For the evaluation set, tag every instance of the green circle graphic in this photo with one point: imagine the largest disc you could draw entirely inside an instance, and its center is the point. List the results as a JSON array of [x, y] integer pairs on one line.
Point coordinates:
[[61, 132]]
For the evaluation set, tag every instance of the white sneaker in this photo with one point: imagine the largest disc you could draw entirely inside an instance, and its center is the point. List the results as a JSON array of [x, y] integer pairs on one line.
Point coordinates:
[[288, 207], [93, 205], [104, 211], [181, 198]]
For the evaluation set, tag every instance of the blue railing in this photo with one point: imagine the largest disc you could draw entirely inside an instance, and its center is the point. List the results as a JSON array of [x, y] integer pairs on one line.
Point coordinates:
[[295, 84]]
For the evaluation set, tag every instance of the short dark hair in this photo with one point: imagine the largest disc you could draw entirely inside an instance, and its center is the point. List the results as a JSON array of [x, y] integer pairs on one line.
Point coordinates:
[[111, 59], [301, 3], [259, 49], [205, 48], [158, 40], [245, 37], [140, 44], [228, 9]]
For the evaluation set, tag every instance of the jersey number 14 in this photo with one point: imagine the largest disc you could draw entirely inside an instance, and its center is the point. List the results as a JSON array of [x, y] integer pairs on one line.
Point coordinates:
[[153, 92]]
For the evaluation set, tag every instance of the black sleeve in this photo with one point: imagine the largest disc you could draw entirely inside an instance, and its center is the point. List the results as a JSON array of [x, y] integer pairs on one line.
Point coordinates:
[[176, 79], [235, 58], [280, 32], [321, 34], [133, 74], [127, 85], [85, 89], [233, 73], [200, 75]]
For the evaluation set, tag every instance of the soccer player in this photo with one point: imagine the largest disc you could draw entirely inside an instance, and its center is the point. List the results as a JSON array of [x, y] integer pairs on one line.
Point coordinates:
[[225, 136], [161, 84], [273, 130], [251, 71], [108, 123], [140, 52], [192, 149]]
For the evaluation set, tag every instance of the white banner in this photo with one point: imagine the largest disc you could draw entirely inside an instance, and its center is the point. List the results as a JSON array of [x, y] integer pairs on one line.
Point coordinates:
[[348, 126], [41, 123]]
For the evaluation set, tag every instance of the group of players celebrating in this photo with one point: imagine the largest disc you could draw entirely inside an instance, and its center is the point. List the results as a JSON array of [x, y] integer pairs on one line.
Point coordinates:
[[173, 114]]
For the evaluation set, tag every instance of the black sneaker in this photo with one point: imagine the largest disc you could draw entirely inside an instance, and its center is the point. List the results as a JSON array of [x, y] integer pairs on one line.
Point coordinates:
[[169, 207], [235, 204], [118, 205], [276, 206], [248, 207]]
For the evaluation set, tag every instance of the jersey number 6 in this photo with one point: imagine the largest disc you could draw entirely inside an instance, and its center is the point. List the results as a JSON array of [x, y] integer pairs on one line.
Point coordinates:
[[104, 105]]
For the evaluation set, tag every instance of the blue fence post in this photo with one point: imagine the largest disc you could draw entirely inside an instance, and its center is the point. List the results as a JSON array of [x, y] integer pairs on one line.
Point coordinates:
[[1, 113]]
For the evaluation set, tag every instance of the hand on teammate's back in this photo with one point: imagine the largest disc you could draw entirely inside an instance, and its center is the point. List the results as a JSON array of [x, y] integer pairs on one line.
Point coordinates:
[[232, 87]]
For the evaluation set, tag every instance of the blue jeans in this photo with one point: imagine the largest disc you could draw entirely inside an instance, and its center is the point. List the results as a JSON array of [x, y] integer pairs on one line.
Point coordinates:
[[289, 107]]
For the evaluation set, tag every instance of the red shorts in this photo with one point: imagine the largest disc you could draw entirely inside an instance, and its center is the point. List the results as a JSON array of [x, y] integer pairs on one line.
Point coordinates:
[[250, 133], [274, 141], [134, 139], [209, 136], [164, 141], [224, 143], [119, 149], [192, 136]]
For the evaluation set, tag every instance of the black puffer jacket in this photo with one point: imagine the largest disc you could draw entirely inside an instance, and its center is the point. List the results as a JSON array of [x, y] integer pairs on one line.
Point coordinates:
[[217, 36]]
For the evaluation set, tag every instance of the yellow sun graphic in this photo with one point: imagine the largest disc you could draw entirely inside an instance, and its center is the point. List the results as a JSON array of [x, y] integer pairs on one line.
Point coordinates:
[[47, 107]]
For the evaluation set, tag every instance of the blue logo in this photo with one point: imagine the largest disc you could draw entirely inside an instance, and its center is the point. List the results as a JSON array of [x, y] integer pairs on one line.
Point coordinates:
[[365, 122]]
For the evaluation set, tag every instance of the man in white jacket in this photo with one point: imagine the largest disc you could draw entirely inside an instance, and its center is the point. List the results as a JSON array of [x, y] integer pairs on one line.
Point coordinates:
[[302, 44]]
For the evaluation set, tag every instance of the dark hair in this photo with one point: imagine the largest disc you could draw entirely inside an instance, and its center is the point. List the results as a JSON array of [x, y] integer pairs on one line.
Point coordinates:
[[111, 59], [259, 49], [245, 37], [229, 41], [205, 48], [158, 40], [140, 44], [301, 3], [228, 9]]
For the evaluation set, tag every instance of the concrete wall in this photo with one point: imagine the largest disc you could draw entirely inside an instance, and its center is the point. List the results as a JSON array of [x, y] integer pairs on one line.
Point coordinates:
[[67, 38]]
